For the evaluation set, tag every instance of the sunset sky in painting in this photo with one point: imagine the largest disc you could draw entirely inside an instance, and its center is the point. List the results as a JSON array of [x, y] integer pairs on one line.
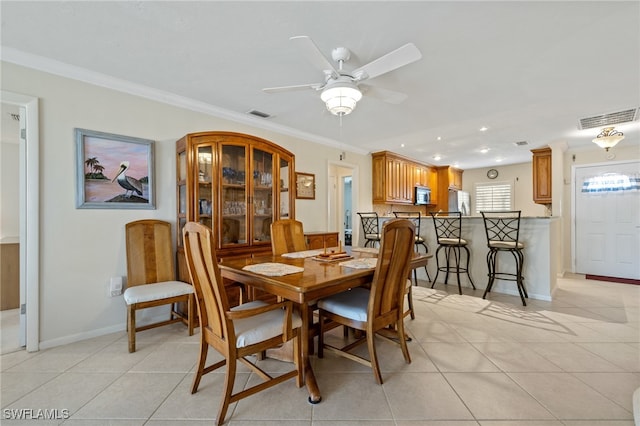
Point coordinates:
[[111, 153]]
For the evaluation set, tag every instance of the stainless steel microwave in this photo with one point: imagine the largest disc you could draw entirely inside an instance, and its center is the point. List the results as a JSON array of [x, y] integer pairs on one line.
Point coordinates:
[[422, 195]]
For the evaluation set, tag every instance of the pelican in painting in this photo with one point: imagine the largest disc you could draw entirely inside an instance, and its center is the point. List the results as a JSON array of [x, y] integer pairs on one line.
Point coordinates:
[[127, 182]]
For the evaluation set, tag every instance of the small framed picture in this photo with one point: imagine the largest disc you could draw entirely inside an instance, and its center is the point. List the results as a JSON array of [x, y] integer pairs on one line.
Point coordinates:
[[113, 171], [305, 186]]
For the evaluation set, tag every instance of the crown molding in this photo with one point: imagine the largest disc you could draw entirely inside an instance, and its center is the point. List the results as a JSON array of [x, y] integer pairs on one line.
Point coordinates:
[[52, 66]]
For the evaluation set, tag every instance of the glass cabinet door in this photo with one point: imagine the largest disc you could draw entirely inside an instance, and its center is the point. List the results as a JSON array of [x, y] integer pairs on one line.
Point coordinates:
[[182, 194], [262, 195], [284, 189], [234, 195], [204, 194]]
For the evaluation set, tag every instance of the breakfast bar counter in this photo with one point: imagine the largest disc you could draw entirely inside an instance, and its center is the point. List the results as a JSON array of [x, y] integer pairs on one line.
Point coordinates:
[[541, 237]]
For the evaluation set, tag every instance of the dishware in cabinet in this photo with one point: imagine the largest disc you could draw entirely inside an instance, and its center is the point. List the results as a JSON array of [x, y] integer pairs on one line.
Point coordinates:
[[236, 184]]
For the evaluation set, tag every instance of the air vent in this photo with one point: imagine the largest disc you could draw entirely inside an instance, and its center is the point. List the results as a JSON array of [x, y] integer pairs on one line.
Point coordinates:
[[258, 113], [610, 119], [521, 143]]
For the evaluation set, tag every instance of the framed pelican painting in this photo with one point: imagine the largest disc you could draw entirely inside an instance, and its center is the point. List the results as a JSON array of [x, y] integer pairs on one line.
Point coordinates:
[[114, 171]]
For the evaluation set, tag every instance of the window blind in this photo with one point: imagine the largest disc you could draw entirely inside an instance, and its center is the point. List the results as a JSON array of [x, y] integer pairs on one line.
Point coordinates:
[[493, 196]]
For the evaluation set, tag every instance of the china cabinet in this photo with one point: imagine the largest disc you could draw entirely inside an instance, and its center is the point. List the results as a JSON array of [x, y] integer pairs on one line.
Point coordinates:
[[541, 175], [237, 184]]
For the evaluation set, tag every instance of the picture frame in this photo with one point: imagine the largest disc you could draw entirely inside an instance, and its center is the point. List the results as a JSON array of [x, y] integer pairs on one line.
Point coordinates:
[[305, 186], [114, 171]]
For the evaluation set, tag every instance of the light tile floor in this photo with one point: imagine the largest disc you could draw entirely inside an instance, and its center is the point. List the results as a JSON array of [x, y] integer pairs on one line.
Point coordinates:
[[574, 361]]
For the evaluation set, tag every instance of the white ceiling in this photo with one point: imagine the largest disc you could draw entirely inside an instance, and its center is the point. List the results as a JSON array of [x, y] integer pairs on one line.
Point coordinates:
[[526, 70]]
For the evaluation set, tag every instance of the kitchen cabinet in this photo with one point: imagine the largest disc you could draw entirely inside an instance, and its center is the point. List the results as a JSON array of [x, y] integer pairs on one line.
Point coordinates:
[[318, 240], [541, 165], [395, 177], [455, 178], [449, 179], [236, 184]]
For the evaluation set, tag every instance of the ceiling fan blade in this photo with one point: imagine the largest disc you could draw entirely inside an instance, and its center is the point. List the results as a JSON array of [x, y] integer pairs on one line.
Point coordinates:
[[314, 86], [386, 95], [393, 60], [314, 55]]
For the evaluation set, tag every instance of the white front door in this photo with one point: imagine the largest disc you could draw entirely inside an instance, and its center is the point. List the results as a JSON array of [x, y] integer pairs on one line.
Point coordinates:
[[607, 220]]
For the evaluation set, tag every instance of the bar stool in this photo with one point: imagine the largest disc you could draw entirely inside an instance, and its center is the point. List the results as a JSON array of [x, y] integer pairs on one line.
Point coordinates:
[[503, 231], [416, 218], [370, 227], [448, 227]]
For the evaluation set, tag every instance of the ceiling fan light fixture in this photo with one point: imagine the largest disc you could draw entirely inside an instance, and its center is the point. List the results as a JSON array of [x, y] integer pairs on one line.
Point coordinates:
[[608, 138], [341, 99]]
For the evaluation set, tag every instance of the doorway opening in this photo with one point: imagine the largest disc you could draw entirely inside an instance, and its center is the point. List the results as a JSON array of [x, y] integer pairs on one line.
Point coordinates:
[[342, 200], [29, 208]]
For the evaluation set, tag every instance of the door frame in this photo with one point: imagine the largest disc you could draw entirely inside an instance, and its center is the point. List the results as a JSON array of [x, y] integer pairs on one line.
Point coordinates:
[[354, 197], [29, 181], [574, 184]]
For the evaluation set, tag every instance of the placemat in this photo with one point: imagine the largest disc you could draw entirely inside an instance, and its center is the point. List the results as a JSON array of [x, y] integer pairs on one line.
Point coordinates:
[[368, 263], [273, 269], [373, 250], [302, 254]]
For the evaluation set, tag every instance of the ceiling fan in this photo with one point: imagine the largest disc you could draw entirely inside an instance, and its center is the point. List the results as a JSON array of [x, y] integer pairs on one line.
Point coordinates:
[[342, 89]]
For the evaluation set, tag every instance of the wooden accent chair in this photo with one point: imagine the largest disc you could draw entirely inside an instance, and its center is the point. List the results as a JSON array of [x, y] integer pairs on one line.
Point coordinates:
[[287, 236], [151, 276], [381, 306], [237, 332]]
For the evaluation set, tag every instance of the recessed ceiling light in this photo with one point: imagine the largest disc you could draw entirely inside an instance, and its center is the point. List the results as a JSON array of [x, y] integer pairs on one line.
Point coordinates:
[[484, 150], [484, 129], [401, 145], [439, 138], [437, 157], [498, 160]]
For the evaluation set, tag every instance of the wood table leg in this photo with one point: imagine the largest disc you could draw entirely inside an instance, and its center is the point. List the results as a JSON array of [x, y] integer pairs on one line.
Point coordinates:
[[309, 377]]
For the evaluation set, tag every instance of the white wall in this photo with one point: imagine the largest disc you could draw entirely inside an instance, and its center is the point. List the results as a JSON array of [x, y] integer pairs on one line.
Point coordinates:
[[9, 211], [521, 175], [82, 248]]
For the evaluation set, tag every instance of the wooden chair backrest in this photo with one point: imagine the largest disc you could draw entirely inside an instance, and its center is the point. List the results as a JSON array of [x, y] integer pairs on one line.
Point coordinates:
[[287, 236], [149, 252], [392, 270], [211, 296]]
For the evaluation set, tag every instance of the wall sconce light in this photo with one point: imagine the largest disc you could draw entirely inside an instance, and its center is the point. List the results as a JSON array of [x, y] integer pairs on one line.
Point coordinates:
[[608, 138]]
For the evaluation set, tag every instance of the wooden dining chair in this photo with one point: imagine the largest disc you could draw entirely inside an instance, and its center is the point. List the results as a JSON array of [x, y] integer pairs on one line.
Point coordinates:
[[239, 332], [287, 236], [151, 277], [378, 307]]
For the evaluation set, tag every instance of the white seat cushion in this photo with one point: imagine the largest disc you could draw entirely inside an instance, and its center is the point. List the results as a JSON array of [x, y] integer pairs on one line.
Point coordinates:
[[505, 244], [452, 241], [350, 304], [260, 327], [156, 291]]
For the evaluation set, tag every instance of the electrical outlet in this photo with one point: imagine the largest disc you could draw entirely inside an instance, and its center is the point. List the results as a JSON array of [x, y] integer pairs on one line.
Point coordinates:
[[115, 286]]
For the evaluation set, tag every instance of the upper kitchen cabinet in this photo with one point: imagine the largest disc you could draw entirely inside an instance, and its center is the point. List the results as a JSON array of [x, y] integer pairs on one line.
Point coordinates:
[[542, 175], [395, 177], [449, 179], [237, 185]]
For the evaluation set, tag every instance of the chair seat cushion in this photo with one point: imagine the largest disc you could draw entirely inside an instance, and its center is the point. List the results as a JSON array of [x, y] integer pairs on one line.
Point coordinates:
[[511, 245], [260, 327], [452, 241], [372, 236], [156, 291], [350, 304]]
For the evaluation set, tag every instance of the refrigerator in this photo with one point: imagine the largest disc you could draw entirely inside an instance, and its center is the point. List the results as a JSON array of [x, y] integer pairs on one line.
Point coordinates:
[[459, 201]]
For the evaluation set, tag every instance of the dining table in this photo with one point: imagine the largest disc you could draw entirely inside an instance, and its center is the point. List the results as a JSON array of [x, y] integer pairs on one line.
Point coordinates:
[[303, 278]]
